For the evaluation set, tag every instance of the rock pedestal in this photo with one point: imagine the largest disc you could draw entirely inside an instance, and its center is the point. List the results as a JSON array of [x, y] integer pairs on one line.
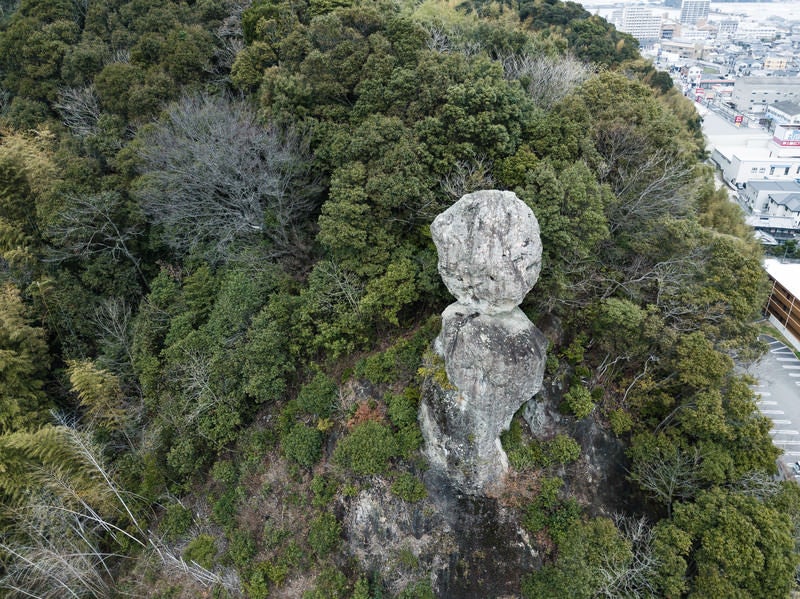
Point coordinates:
[[489, 258]]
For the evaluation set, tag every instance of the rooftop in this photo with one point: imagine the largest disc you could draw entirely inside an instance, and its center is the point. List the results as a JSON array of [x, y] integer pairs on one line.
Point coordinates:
[[791, 201], [772, 185], [787, 275], [790, 108]]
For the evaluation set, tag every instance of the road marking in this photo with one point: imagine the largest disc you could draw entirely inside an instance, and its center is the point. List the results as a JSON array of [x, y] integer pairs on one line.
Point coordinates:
[[791, 366], [772, 412], [781, 422], [783, 432], [768, 403], [786, 359], [791, 453], [765, 395], [794, 374], [787, 442]]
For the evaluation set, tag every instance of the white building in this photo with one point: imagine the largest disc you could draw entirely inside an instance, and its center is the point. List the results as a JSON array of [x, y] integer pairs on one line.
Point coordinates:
[[787, 207], [753, 94], [785, 113], [759, 195], [640, 22], [694, 10]]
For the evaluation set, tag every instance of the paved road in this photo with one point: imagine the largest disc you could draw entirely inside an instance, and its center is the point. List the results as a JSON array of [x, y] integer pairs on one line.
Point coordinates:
[[778, 374]]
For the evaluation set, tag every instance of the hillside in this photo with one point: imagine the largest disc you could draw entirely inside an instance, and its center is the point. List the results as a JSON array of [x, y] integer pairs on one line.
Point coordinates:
[[219, 293]]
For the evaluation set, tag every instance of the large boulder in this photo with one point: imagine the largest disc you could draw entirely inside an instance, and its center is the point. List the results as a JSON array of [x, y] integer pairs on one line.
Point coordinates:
[[490, 252], [493, 356]]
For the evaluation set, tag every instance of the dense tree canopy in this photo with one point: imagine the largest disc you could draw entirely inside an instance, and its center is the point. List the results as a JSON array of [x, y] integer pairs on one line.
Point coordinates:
[[218, 289]]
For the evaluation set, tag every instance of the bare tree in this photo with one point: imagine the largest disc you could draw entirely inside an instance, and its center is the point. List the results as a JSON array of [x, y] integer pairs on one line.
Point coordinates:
[[79, 108], [112, 320], [93, 224], [213, 178], [468, 176], [340, 286], [66, 537], [548, 79], [668, 474], [632, 578]]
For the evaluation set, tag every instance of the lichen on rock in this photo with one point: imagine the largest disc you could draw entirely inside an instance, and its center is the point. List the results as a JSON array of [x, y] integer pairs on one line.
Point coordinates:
[[489, 258]]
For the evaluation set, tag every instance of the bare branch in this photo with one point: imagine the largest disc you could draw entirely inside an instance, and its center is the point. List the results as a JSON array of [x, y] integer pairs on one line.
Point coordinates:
[[91, 224], [548, 79], [79, 108], [213, 177], [468, 176]]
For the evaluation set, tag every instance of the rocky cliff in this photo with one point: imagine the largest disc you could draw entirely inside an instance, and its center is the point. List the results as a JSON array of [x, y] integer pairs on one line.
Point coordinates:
[[489, 258]]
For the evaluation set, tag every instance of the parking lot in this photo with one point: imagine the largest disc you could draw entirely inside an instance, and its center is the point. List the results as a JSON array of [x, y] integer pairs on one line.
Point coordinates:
[[778, 388]]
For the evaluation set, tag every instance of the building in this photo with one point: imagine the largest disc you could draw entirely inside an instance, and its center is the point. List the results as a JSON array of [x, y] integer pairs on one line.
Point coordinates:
[[786, 207], [640, 23], [771, 230], [783, 305], [759, 194], [754, 94], [754, 31], [776, 63], [694, 10], [683, 49], [743, 165], [785, 113], [727, 28]]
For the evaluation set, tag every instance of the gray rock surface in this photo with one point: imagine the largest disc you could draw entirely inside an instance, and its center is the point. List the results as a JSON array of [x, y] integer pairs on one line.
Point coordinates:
[[493, 355], [490, 253]]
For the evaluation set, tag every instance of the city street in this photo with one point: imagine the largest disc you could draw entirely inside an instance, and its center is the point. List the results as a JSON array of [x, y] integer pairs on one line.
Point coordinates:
[[778, 388]]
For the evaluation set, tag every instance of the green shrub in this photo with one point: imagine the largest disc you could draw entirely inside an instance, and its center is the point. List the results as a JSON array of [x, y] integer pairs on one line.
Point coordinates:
[[408, 488], [224, 472], [241, 549], [273, 536], [324, 489], [574, 352], [367, 449], [257, 586], [547, 511], [318, 397], [402, 411], [579, 401], [417, 590], [303, 445], [621, 422], [563, 449], [527, 456], [201, 550], [223, 511], [324, 534], [401, 360], [361, 589], [176, 521], [330, 584]]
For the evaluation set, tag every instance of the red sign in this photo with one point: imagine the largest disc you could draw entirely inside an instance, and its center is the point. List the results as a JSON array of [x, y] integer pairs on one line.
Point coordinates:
[[738, 118]]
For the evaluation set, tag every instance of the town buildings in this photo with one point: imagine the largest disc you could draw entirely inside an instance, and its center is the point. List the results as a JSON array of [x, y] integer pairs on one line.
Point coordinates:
[[693, 11]]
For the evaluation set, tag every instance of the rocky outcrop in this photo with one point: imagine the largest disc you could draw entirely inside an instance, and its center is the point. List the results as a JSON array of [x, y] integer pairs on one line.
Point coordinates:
[[489, 258]]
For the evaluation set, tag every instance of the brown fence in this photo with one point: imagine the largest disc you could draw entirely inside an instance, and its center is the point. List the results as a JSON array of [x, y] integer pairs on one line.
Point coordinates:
[[785, 308]]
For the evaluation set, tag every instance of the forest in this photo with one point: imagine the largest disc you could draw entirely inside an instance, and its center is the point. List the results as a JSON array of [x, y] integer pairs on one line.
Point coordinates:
[[218, 293]]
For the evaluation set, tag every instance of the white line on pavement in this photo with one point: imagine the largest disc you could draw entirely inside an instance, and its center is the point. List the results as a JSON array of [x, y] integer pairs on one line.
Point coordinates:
[[783, 432], [772, 412], [768, 403]]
